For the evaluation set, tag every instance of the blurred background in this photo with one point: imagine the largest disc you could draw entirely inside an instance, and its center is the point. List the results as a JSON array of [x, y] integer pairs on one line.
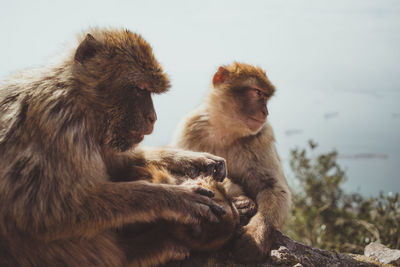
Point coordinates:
[[336, 66]]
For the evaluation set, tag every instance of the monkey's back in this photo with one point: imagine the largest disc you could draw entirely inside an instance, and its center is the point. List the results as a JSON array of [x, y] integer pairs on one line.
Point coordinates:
[[32, 179]]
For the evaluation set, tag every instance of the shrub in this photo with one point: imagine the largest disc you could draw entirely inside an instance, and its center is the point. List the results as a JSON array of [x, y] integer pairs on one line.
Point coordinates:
[[325, 216]]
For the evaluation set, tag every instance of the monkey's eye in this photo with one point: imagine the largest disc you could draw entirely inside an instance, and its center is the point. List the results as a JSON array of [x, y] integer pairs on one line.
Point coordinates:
[[258, 92]]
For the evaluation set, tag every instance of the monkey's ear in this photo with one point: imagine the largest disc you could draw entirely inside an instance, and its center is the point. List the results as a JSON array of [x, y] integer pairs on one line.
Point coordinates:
[[220, 76], [87, 48]]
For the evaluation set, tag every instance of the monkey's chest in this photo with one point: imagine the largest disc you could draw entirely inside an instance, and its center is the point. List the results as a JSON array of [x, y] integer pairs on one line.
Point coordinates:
[[240, 161]]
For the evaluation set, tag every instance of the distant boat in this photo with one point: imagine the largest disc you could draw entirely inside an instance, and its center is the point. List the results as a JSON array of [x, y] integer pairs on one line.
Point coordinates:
[[364, 156], [293, 132], [330, 115]]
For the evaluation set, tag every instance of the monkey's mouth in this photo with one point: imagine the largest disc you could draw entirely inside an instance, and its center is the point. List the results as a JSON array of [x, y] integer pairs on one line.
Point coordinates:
[[254, 124], [136, 136], [257, 120]]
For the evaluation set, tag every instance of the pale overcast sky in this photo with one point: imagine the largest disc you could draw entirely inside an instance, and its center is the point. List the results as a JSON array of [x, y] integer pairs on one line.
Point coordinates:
[[336, 65]]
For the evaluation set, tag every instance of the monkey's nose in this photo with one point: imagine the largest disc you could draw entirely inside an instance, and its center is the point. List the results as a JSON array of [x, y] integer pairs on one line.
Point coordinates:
[[265, 112]]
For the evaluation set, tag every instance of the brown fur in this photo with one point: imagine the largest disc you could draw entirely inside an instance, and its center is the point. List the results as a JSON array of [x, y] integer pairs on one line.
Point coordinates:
[[221, 126], [210, 236], [70, 172], [192, 237]]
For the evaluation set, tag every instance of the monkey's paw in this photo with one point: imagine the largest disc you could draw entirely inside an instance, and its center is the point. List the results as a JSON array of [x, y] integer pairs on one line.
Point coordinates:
[[193, 204], [245, 207], [250, 246], [194, 164]]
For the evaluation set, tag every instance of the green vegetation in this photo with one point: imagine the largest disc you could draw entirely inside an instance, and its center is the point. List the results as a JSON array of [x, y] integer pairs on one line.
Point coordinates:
[[325, 216]]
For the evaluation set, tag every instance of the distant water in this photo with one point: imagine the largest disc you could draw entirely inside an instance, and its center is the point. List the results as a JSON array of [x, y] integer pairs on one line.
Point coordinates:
[[360, 126]]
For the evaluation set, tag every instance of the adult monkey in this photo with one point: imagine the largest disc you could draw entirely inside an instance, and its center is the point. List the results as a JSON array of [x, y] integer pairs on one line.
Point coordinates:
[[66, 137], [232, 124]]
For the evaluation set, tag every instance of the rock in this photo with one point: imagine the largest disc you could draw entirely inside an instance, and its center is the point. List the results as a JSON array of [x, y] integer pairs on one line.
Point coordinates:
[[286, 253], [382, 254], [283, 256]]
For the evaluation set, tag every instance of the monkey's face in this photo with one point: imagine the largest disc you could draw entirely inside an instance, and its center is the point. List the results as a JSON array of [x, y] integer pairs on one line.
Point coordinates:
[[130, 118], [242, 92], [118, 73], [251, 105]]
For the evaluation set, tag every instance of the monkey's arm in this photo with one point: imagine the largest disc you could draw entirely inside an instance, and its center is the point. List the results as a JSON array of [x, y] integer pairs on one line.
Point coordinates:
[[110, 205], [152, 164], [272, 206], [272, 196], [269, 189], [185, 163]]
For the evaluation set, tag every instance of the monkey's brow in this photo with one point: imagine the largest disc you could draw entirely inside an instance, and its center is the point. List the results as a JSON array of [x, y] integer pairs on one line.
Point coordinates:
[[266, 93], [260, 88], [242, 88]]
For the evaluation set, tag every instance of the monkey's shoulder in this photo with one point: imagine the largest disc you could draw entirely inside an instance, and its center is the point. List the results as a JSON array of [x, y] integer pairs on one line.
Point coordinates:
[[196, 129]]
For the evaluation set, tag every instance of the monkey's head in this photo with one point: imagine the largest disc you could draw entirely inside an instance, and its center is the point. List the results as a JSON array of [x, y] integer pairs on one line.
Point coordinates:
[[239, 98], [117, 72]]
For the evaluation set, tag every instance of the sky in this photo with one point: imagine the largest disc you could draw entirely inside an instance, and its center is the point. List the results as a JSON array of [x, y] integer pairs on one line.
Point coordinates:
[[335, 64]]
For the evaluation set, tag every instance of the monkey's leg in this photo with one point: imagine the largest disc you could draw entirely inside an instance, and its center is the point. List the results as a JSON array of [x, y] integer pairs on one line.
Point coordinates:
[[189, 163], [151, 247], [256, 241]]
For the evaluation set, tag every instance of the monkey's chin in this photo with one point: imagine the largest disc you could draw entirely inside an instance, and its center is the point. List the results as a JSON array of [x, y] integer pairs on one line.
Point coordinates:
[[255, 125], [136, 137]]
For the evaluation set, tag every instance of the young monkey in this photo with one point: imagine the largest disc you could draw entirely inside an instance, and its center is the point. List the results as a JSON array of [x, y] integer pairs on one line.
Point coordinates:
[[232, 124]]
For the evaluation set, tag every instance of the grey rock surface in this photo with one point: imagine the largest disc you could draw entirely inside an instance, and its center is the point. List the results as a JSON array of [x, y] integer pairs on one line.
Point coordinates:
[[382, 254], [286, 252]]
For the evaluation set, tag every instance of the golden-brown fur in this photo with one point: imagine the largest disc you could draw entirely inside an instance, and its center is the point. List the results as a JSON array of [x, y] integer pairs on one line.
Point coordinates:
[[183, 237], [70, 171], [210, 236], [223, 126]]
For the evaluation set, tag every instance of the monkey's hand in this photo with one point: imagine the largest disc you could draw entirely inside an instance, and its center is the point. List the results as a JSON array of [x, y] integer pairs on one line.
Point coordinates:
[[245, 207], [193, 164], [185, 163], [254, 243], [192, 204]]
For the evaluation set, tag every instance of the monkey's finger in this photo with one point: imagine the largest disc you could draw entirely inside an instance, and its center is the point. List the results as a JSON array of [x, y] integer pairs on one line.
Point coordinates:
[[240, 204], [204, 191], [247, 212], [245, 205], [213, 207], [219, 173], [218, 210], [206, 212], [217, 170]]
